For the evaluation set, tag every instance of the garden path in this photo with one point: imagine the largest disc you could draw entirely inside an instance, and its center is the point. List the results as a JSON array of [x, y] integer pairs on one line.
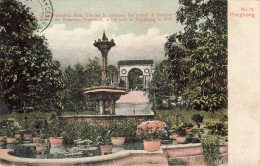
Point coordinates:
[[133, 103]]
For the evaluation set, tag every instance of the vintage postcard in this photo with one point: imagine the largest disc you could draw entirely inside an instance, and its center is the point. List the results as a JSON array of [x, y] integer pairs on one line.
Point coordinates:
[[129, 82]]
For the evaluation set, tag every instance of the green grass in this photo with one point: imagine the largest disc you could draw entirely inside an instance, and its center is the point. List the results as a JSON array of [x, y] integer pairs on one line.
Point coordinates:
[[187, 114]]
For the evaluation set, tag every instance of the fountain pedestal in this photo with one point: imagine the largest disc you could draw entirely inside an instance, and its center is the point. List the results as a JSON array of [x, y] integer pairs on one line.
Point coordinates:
[[105, 95]]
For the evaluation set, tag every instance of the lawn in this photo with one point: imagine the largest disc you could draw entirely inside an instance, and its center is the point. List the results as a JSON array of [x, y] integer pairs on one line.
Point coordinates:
[[187, 113]]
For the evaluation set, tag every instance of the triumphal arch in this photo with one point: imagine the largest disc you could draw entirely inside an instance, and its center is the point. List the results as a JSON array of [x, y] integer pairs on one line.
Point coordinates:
[[146, 66]]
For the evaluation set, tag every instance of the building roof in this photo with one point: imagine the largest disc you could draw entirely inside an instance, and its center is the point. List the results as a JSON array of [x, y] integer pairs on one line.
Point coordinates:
[[135, 62]]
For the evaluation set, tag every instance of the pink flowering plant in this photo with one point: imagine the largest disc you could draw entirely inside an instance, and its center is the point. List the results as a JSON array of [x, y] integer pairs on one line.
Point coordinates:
[[152, 130]]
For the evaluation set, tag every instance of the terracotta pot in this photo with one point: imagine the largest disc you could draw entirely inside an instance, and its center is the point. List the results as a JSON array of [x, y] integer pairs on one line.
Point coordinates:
[[118, 141], [2, 138], [189, 131], [174, 135], [56, 141], [41, 148], [36, 139], [11, 140], [152, 145], [106, 148], [27, 137], [181, 140]]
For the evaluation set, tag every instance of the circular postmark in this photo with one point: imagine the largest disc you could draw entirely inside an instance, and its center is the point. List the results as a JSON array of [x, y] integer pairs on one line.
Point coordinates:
[[42, 10]]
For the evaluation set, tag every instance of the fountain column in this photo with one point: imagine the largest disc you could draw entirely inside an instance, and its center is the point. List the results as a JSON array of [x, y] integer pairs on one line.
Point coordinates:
[[105, 95], [104, 46]]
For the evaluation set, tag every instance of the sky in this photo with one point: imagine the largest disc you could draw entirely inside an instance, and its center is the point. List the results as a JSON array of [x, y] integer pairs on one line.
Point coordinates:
[[71, 42]]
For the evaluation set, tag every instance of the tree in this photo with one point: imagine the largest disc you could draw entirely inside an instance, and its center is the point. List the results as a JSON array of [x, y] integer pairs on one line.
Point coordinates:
[[134, 79], [112, 73], [205, 39], [76, 80], [29, 76], [161, 88]]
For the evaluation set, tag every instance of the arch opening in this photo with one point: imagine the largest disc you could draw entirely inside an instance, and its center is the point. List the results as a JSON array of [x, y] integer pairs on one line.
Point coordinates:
[[135, 79]]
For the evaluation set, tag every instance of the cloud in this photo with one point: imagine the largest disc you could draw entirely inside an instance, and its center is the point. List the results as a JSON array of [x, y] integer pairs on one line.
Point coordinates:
[[76, 46]]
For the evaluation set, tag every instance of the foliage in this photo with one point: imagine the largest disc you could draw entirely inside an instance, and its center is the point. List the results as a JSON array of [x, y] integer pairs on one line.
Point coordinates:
[[152, 129], [40, 125], [112, 73], [175, 122], [181, 131], [76, 80], [85, 130], [43, 139], [161, 88], [28, 122], [118, 128], [11, 127], [122, 83], [177, 161], [210, 146], [2, 128], [197, 118], [218, 128], [29, 76], [104, 137], [198, 56], [55, 128], [72, 131], [135, 82]]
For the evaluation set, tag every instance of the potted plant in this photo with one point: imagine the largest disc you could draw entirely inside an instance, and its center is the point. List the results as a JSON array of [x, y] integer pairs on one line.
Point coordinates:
[[117, 133], [198, 119], [55, 131], [182, 132], [188, 127], [152, 132], [176, 161], [27, 136], [174, 132], [11, 128], [219, 129], [43, 143], [175, 122], [104, 139], [40, 124]]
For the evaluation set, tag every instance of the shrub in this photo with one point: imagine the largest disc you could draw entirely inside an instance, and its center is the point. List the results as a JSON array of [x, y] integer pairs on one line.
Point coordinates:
[[40, 125], [181, 131], [2, 129], [55, 128], [11, 127], [210, 146], [177, 161], [104, 135], [176, 122], [118, 128], [130, 130], [72, 131], [197, 118], [218, 128]]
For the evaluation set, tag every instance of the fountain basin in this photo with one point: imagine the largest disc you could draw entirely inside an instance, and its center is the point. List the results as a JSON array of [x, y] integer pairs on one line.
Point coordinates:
[[106, 97]]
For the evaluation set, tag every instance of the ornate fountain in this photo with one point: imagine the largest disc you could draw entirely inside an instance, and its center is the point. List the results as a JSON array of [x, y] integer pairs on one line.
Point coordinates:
[[105, 95]]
